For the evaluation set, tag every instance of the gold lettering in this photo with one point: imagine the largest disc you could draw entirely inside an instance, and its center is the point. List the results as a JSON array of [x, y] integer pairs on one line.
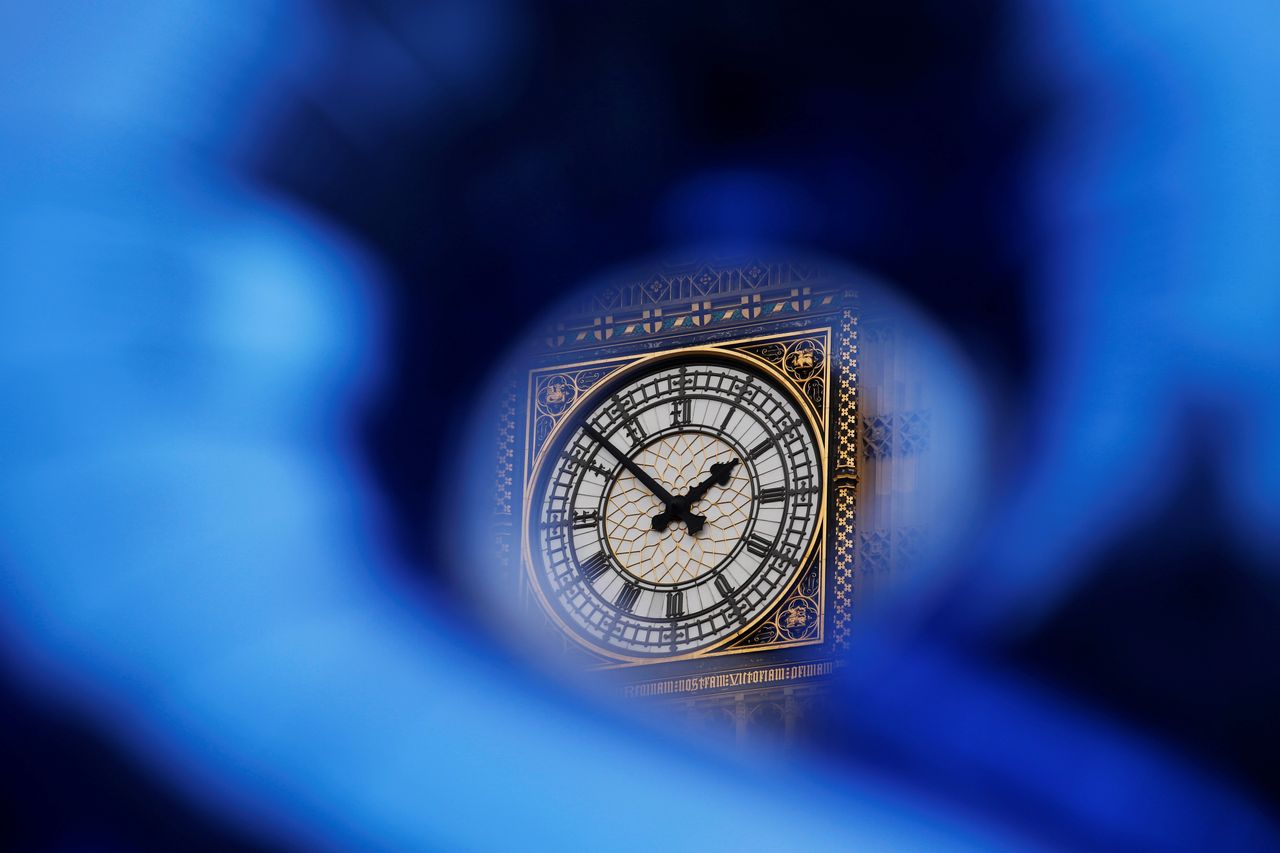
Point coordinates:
[[696, 684]]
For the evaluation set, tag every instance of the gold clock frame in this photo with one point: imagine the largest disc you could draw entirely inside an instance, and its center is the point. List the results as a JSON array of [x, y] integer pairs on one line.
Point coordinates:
[[820, 424]]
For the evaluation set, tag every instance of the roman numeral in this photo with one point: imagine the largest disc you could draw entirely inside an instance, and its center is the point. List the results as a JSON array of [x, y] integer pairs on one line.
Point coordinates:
[[726, 591], [681, 412], [595, 566], [773, 495], [627, 596], [636, 430], [759, 546], [675, 604], [761, 449], [578, 463], [623, 411], [740, 390], [585, 520]]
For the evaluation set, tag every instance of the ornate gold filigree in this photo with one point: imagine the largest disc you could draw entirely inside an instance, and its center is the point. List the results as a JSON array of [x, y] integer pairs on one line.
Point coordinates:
[[553, 395], [804, 361], [798, 618]]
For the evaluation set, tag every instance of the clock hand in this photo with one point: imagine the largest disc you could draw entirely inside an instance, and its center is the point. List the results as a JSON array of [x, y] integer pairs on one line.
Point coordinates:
[[719, 476], [676, 506]]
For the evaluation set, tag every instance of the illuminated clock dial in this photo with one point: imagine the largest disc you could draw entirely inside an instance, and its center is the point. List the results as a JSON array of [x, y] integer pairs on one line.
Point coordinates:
[[675, 505]]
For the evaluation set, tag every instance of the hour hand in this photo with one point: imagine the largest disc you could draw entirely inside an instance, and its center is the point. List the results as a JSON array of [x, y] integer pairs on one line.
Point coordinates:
[[718, 476], [679, 507]]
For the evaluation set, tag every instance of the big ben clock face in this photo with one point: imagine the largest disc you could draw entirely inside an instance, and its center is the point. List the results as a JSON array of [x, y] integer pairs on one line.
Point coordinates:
[[674, 505]]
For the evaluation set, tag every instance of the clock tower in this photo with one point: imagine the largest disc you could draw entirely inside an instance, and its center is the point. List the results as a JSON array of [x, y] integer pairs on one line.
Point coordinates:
[[682, 457]]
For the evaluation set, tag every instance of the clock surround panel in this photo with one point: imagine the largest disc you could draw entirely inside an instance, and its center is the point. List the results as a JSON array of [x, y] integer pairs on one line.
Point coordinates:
[[635, 594]]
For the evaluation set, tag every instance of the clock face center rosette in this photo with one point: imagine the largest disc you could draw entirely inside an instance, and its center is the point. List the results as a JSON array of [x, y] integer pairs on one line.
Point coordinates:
[[675, 556]]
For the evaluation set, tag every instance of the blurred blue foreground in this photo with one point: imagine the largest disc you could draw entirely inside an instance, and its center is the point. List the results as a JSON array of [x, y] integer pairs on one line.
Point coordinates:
[[198, 560]]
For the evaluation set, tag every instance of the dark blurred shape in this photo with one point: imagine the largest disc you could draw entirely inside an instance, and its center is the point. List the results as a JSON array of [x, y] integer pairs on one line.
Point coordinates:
[[1199, 670], [66, 787]]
